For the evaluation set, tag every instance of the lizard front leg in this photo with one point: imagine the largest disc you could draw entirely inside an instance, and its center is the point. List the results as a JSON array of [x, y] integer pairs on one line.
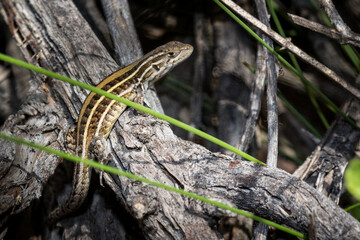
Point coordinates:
[[100, 150]]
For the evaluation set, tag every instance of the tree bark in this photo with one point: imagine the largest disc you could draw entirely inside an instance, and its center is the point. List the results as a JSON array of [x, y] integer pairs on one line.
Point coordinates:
[[54, 35]]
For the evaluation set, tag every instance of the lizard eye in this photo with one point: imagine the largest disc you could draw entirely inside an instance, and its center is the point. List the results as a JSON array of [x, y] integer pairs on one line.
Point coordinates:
[[171, 54], [156, 67]]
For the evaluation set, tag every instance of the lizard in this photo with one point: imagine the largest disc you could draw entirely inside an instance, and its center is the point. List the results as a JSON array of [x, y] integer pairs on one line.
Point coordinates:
[[98, 114]]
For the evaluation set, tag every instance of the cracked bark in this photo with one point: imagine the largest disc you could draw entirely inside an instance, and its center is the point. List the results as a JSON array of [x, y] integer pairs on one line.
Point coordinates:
[[55, 36]]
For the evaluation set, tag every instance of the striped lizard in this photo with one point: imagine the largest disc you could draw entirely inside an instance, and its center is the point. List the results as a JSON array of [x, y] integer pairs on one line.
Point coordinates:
[[98, 113]]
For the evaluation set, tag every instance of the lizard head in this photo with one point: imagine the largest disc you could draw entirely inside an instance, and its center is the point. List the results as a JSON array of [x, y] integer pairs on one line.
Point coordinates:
[[163, 59]]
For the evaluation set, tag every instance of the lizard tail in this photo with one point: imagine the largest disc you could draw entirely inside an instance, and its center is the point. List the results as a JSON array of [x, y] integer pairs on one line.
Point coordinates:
[[77, 196]]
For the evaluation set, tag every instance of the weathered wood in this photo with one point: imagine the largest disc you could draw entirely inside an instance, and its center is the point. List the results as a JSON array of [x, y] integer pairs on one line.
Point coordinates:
[[272, 74], [121, 26], [251, 187], [54, 35], [324, 168]]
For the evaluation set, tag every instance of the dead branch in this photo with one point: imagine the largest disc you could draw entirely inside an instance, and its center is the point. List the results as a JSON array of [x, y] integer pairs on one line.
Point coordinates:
[[294, 49], [351, 38], [54, 35]]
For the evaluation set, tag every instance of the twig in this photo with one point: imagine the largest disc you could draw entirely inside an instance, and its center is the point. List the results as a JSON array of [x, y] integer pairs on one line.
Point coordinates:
[[293, 48], [352, 38], [261, 230], [255, 101], [335, 17]]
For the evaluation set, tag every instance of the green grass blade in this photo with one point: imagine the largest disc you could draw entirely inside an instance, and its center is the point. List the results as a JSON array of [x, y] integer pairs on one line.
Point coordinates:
[[352, 55], [297, 66], [145, 180], [352, 206], [130, 104], [186, 90], [350, 51], [299, 116], [331, 105]]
